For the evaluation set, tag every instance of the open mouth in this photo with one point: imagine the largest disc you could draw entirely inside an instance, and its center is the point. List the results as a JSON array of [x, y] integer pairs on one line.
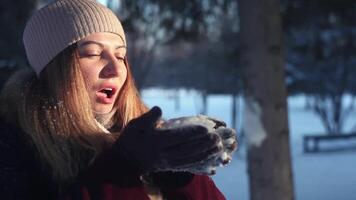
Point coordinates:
[[106, 93], [109, 92]]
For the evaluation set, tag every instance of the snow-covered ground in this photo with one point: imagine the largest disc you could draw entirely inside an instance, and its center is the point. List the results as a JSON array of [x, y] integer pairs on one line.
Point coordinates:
[[318, 176]]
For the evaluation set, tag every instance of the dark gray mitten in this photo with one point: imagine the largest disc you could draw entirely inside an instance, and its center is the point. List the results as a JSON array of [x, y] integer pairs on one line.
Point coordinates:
[[155, 149], [215, 127]]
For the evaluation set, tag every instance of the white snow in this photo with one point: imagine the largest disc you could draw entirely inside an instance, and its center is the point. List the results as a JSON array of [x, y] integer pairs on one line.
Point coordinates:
[[318, 176], [252, 126]]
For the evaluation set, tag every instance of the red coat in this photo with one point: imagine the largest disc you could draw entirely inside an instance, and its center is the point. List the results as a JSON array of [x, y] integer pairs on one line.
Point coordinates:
[[199, 188]]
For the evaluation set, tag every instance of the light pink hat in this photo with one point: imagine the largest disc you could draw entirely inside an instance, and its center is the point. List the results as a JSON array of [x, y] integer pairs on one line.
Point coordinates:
[[62, 23]]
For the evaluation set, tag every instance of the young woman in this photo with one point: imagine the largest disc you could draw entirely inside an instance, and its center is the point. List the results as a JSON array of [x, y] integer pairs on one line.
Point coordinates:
[[74, 127]]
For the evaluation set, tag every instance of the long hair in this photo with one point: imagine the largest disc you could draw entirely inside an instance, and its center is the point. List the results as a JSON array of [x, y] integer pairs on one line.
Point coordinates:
[[56, 114]]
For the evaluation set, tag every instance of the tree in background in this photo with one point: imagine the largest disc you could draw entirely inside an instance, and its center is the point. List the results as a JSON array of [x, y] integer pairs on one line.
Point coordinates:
[[266, 119], [151, 24], [321, 40], [13, 17], [158, 28]]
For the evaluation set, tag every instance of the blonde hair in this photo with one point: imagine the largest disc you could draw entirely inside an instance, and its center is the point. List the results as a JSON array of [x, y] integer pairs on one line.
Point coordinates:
[[56, 114]]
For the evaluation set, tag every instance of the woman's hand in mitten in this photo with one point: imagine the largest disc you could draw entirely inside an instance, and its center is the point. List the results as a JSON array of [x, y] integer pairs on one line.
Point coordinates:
[[215, 127], [155, 149]]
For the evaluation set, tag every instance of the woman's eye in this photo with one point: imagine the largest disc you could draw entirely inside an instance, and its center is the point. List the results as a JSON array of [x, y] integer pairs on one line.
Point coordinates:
[[91, 55], [120, 58]]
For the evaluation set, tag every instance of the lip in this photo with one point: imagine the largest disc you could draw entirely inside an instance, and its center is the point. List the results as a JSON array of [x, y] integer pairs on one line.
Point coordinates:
[[102, 98]]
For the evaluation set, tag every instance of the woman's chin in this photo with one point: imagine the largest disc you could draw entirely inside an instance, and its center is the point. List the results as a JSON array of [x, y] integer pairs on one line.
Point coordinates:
[[102, 109]]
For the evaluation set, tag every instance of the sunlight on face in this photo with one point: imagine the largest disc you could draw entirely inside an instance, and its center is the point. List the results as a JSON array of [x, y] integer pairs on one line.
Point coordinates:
[[101, 60]]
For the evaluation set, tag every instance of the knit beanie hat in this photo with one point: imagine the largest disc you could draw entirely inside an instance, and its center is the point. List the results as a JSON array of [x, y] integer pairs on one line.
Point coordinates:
[[62, 23]]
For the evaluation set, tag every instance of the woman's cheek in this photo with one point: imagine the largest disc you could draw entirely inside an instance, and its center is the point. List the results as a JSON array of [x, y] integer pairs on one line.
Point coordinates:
[[123, 75]]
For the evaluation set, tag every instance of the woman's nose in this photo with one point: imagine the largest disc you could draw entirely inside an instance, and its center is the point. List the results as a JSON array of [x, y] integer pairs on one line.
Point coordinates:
[[112, 68]]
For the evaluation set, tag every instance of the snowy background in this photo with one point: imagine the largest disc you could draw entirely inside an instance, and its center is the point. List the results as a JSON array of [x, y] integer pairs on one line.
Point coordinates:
[[328, 175]]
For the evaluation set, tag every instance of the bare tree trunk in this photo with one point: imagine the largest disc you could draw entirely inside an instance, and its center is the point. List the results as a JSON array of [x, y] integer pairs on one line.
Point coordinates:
[[234, 111], [204, 108], [266, 119], [330, 108]]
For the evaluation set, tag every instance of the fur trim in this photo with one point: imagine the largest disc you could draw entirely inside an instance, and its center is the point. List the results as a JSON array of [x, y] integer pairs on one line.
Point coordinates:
[[12, 94]]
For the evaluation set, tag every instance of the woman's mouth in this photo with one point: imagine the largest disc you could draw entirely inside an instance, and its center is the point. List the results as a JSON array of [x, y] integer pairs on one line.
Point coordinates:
[[106, 95], [107, 91]]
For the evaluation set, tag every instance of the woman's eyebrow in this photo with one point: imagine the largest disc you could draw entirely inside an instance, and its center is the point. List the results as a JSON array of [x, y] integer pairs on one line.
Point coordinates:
[[120, 46], [91, 42], [100, 44]]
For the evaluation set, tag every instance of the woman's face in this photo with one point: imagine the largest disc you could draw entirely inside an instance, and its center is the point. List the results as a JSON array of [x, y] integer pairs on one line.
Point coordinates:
[[101, 60]]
